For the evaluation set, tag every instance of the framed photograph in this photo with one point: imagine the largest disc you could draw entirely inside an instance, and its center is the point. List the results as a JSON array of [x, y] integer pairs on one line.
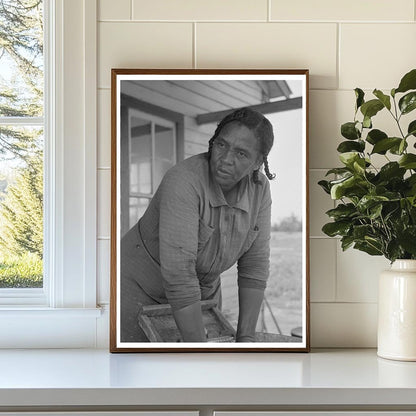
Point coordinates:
[[209, 211]]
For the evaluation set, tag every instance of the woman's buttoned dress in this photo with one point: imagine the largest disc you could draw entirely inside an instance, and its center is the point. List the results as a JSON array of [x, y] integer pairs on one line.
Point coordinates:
[[187, 237]]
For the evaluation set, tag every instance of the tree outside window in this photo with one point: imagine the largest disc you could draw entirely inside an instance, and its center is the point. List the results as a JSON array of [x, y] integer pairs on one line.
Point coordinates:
[[21, 143]]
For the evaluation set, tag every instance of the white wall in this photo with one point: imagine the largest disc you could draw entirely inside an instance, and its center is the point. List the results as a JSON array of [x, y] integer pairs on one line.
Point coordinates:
[[345, 44]]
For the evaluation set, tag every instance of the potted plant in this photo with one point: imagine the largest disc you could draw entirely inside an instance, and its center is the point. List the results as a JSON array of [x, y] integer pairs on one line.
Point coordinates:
[[376, 206]]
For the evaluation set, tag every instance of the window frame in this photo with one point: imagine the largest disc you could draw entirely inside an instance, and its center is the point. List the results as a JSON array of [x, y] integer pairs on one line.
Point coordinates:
[[68, 317], [153, 120], [129, 103], [33, 296]]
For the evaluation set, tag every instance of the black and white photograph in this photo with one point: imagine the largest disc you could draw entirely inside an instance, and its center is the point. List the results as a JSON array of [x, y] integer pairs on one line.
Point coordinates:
[[209, 210]]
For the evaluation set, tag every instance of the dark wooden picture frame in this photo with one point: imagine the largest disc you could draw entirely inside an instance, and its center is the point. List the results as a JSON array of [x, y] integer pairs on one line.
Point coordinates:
[[175, 112]]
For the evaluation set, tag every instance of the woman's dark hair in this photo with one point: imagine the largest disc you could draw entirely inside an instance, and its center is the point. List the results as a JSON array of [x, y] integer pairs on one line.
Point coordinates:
[[261, 128]]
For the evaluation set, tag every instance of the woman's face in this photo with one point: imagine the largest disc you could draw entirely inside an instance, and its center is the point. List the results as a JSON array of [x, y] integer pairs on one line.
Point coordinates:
[[235, 154]]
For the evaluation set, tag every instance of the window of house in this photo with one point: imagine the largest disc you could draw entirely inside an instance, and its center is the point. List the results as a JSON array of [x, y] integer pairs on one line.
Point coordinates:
[[151, 143], [63, 312], [22, 140], [151, 152], [48, 107]]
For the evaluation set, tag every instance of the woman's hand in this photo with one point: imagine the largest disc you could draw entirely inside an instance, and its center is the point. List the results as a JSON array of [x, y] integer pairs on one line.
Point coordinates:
[[250, 301], [189, 322]]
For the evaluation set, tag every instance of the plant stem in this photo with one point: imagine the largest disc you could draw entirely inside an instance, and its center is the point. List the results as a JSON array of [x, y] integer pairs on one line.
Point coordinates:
[[397, 118]]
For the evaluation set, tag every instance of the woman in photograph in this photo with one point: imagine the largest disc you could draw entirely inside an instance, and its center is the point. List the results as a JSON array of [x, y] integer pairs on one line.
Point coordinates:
[[210, 211]]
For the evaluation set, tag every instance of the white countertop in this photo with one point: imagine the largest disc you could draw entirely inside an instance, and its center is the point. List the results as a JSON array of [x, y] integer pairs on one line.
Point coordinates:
[[96, 377]]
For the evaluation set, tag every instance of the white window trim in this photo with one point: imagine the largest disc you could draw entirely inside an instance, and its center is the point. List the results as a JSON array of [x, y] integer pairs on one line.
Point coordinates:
[[69, 317]]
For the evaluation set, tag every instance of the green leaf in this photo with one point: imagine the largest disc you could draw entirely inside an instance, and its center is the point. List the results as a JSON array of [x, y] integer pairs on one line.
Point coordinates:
[[338, 171], [385, 99], [393, 250], [348, 158], [383, 145], [359, 165], [408, 82], [407, 240], [359, 94], [411, 180], [371, 108], [342, 211], [374, 242], [391, 170], [361, 231], [374, 136], [408, 102], [349, 131], [325, 186], [349, 146], [411, 130], [333, 229], [369, 201], [399, 148], [411, 183], [408, 161], [367, 122], [368, 248], [346, 242], [375, 211], [338, 189]]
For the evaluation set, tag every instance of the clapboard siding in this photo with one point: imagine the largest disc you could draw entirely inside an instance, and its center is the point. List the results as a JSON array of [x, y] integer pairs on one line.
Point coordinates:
[[197, 137], [191, 124], [192, 98], [193, 149], [231, 94], [212, 98], [246, 90], [143, 93]]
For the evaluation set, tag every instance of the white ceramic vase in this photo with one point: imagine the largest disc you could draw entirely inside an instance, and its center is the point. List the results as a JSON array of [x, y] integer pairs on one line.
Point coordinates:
[[397, 312]]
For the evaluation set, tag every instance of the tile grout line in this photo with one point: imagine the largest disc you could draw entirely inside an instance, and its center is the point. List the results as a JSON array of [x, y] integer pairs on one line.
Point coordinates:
[[269, 11], [338, 63], [344, 303], [194, 62], [336, 271], [131, 10], [226, 21]]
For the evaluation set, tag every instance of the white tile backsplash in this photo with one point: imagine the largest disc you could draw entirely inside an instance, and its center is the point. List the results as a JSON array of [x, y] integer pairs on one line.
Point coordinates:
[[349, 325], [357, 275], [323, 269], [345, 44], [376, 55], [271, 45], [200, 10], [341, 10], [142, 45]]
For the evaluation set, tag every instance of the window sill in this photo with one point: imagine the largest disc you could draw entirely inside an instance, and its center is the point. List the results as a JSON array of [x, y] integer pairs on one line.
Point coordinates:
[[40, 327], [35, 312]]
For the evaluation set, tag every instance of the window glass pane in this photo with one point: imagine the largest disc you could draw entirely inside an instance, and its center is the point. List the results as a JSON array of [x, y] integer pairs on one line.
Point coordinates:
[[164, 151], [137, 207], [21, 207], [21, 58], [140, 156]]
